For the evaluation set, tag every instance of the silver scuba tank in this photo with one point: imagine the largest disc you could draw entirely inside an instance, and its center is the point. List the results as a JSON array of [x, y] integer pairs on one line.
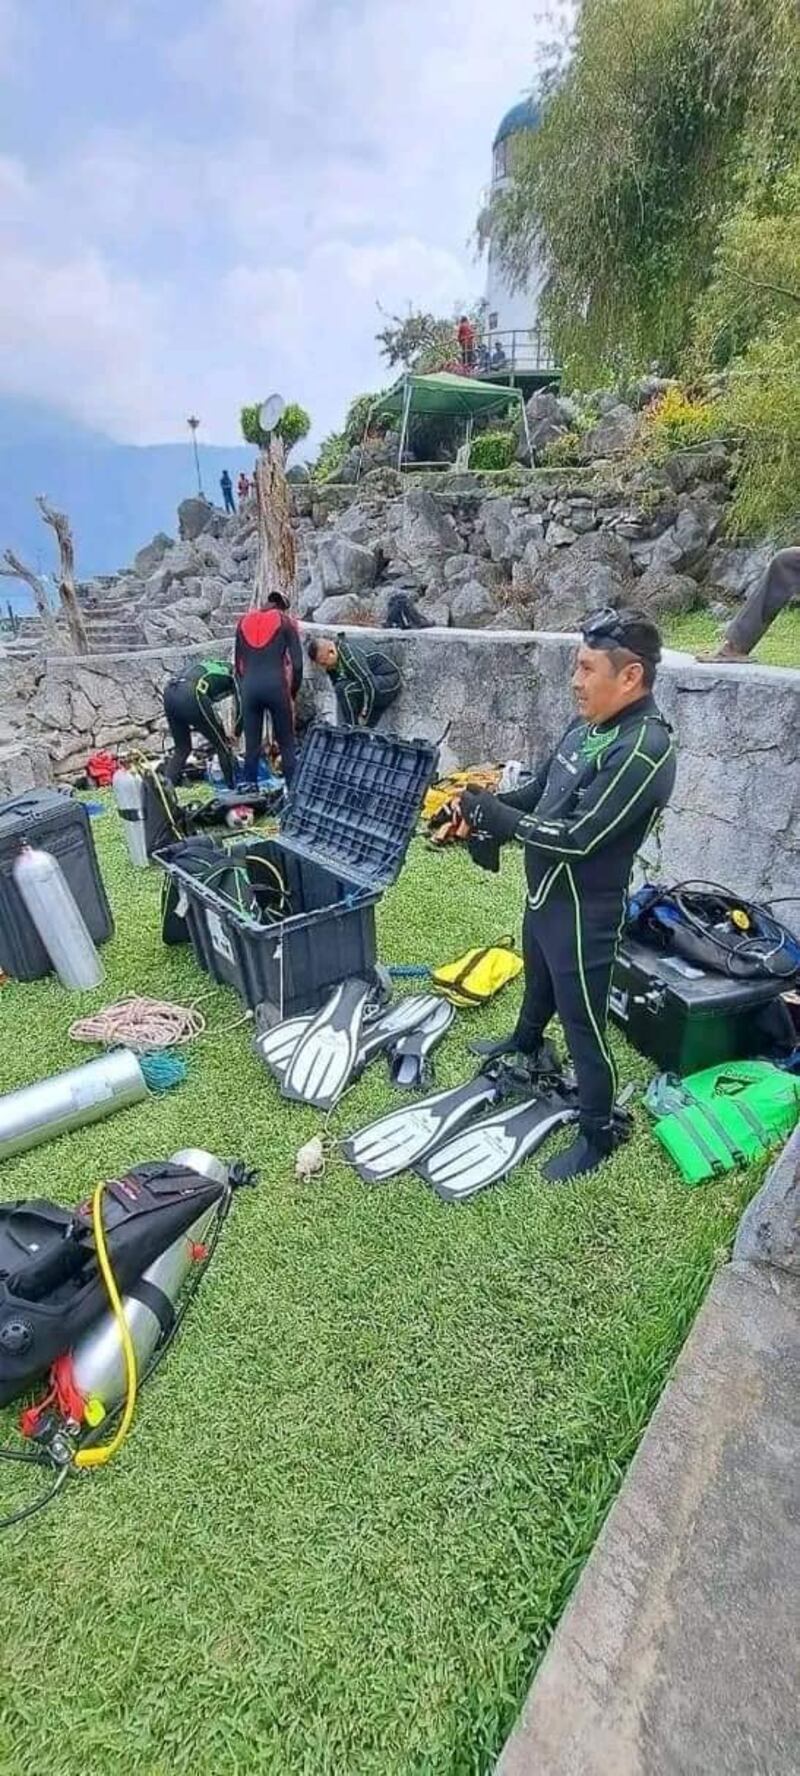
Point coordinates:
[[83, 1094], [98, 1365], [129, 797], [61, 927]]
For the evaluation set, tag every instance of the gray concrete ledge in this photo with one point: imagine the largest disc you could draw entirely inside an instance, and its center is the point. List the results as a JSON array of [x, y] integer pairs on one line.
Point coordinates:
[[678, 1655]]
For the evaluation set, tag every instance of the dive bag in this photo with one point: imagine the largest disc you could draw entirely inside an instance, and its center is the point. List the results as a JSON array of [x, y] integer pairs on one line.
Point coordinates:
[[167, 820], [246, 875], [724, 1116], [712, 928], [475, 978]]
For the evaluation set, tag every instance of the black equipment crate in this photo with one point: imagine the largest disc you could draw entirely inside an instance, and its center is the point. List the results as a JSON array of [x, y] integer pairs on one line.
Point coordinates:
[[342, 839], [53, 821], [685, 1018]]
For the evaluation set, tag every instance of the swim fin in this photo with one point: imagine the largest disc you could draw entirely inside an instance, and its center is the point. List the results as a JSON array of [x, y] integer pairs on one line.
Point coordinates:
[[488, 1150], [277, 1045], [325, 1055], [409, 1056], [400, 1140], [390, 1026]]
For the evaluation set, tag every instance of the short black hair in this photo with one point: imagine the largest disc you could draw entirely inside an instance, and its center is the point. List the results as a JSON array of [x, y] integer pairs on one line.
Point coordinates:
[[312, 648], [634, 636]]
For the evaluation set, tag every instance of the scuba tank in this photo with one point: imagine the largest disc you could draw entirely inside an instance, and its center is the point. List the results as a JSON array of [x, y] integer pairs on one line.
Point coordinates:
[[52, 1107], [129, 797], [54, 1295], [97, 1363], [58, 921]]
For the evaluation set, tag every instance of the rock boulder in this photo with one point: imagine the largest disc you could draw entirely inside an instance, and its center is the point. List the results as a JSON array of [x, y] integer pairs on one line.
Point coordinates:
[[194, 516], [735, 571], [427, 534], [568, 583], [614, 433], [662, 593], [338, 612], [472, 605], [146, 560], [345, 566]]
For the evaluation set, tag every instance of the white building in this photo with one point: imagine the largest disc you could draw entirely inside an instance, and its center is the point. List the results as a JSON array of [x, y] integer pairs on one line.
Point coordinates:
[[512, 315]]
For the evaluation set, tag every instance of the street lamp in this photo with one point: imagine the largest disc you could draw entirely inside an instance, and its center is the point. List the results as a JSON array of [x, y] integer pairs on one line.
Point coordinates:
[[193, 424]]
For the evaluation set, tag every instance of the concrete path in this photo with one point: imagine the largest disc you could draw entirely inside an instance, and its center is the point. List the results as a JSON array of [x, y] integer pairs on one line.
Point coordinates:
[[680, 1652]]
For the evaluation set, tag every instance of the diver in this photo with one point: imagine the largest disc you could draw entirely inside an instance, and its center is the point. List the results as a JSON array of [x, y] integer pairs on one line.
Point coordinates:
[[582, 819], [268, 661], [365, 682], [190, 704]]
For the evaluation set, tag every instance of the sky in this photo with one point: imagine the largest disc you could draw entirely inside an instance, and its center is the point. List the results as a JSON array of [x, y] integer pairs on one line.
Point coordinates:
[[203, 202]]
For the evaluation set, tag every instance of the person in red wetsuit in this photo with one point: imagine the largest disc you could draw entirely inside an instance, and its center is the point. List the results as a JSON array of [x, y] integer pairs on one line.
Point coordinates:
[[268, 662]]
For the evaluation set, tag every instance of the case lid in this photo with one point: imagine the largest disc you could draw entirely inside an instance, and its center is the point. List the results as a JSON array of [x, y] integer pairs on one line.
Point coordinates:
[[701, 992], [355, 800], [19, 813]]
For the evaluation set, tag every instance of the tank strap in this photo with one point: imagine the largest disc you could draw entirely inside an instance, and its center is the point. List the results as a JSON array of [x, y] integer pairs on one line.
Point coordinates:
[[159, 1304]]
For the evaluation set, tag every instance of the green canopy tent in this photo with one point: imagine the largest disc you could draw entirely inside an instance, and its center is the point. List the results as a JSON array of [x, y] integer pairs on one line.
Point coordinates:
[[444, 393]]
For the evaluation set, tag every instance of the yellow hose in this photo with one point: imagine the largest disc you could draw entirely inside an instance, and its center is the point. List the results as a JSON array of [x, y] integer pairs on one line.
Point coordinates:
[[97, 1457]]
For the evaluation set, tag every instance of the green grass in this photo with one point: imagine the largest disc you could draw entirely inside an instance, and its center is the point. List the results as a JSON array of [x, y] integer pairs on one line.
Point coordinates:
[[358, 1492], [698, 630]]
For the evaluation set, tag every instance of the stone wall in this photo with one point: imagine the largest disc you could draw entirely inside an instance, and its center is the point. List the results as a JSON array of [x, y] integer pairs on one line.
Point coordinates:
[[735, 814]]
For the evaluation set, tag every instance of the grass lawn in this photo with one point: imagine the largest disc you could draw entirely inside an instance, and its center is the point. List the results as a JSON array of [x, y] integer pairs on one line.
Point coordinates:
[[358, 1492], [698, 630]]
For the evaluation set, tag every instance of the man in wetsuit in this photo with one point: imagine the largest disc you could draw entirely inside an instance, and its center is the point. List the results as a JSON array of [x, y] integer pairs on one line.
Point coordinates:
[[365, 681], [582, 819], [190, 705], [268, 661]]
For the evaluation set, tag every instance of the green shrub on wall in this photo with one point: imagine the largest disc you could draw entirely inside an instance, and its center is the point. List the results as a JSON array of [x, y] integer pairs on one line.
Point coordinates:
[[492, 450]]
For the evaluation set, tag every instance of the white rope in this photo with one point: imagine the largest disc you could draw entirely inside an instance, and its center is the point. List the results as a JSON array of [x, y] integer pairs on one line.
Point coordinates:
[[145, 1025]]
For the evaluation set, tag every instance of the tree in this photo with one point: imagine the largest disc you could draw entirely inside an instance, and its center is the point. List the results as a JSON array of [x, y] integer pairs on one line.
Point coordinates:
[[292, 427], [760, 410], [15, 569], [424, 342], [668, 112], [62, 529], [276, 570]]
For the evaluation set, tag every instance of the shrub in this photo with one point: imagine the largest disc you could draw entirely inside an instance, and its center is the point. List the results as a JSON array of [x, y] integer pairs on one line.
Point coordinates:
[[332, 451], [492, 450], [358, 413], [565, 452], [677, 421], [760, 410]]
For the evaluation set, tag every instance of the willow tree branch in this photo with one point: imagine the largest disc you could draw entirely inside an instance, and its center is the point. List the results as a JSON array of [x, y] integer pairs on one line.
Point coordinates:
[[67, 591], [760, 284]]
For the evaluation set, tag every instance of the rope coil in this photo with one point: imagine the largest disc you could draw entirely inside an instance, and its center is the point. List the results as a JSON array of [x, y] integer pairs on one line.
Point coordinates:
[[145, 1025]]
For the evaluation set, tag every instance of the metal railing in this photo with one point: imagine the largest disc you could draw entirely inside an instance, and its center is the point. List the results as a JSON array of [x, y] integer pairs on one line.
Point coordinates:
[[515, 350]]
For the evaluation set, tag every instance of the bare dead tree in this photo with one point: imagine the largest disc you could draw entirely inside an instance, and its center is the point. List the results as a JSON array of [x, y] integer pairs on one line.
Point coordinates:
[[276, 570], [60, 524], [14, 569]]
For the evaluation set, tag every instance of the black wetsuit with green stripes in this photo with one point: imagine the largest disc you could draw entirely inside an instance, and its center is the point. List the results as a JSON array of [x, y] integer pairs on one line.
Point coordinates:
[[582, 819], [365, 682], [189, 706]]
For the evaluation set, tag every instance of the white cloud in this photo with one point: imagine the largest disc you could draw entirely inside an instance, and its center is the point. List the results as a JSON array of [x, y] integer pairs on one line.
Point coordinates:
[[75, 334], [148, 272]]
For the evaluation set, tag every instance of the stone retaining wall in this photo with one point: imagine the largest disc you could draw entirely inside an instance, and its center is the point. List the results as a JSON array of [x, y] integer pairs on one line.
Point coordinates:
[[735, 814]]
